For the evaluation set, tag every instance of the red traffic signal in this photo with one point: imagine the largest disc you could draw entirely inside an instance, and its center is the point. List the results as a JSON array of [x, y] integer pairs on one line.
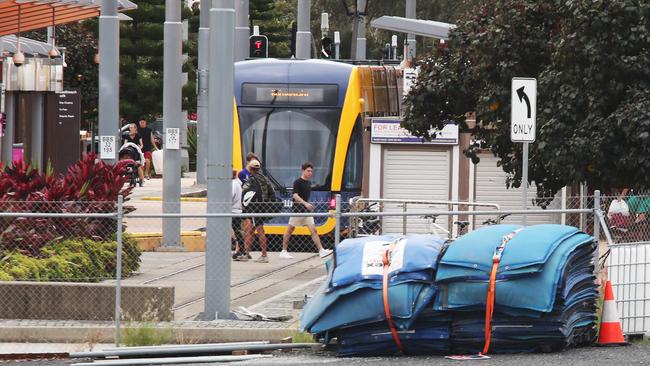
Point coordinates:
[[259, 46]]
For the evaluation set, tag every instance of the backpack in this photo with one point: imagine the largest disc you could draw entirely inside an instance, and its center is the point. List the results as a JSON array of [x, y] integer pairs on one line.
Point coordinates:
[[258, 195]]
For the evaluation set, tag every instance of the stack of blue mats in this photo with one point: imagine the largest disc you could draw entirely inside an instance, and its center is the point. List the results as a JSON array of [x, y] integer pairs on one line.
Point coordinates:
[[545, 293], [349, 304]]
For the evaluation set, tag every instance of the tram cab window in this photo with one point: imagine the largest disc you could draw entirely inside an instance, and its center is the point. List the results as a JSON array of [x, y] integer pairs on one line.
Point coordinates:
[[284, 138]]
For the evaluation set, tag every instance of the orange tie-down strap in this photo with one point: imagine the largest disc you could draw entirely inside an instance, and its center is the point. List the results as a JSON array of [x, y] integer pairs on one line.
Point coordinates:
[[391, 326], [489, 301]]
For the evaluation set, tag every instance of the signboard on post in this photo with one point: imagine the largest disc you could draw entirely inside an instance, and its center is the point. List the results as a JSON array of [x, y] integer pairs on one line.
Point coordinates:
[[173, 138], [107, 147], [523, 97]]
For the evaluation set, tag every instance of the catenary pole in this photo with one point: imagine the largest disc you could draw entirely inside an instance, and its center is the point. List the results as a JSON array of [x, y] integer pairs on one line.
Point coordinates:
[[219, 168], [411, 8], [360, 32], [202, 97], [109, 71], [172, 122], [303, 35], [242, 32]]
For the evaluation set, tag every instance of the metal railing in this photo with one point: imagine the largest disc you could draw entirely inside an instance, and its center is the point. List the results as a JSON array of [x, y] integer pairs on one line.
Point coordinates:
[[64, 227]]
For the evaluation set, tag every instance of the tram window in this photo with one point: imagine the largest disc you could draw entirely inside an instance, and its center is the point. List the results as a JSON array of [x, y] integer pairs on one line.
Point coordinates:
[[284, 138], [353, 171], [317, 95]]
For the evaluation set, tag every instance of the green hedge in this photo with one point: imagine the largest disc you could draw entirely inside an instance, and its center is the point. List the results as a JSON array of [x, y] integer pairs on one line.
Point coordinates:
[[71, 260]]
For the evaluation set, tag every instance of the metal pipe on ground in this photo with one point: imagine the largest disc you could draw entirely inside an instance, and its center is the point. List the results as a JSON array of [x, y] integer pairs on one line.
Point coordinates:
[[197, 349], [172, 360]]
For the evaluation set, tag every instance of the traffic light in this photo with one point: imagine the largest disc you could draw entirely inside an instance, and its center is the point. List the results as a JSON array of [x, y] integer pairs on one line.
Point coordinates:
[[326, 47], [259, 46]]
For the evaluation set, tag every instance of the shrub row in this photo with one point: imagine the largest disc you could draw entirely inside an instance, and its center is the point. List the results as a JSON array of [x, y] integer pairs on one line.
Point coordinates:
[[71, 260]]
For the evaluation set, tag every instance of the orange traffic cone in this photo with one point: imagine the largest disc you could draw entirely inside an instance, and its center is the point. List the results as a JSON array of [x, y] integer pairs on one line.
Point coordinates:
[[611, 333]]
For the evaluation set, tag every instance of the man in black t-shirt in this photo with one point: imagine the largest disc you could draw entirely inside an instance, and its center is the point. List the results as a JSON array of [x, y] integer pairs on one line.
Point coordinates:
[[148, 145], [301, 193]]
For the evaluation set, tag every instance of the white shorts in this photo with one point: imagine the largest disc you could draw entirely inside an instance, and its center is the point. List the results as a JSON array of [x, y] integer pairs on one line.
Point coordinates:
[[301, 221]]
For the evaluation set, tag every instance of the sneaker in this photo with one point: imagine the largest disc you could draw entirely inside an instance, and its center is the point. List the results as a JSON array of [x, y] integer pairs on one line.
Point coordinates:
[[262, 259], [324, 252], [244, 257], [285, 255]]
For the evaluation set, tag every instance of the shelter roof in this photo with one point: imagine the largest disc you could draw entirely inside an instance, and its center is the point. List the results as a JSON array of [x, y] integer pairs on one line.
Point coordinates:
[[24, 15]]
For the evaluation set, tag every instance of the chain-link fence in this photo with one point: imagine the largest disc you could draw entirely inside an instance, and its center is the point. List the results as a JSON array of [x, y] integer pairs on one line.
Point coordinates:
[[60, 260]]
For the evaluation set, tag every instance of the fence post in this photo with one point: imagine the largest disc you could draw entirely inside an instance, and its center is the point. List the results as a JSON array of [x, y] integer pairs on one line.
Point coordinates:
[[118, 270], [337, 216], [596, 230], [596, 221], [404, 220]]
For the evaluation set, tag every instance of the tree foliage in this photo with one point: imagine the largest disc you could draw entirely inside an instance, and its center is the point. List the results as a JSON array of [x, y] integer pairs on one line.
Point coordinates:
[[592, 64], [141, 62]]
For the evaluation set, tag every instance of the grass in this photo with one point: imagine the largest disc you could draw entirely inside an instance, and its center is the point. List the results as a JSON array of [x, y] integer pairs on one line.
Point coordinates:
[[146, 334], [302, 337]]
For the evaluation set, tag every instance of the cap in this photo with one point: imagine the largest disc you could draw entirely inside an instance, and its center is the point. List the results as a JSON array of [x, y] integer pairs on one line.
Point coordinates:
[[254, 164]]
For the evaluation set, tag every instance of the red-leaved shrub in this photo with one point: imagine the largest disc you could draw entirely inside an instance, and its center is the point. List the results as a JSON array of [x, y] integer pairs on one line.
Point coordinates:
[[88, 186]]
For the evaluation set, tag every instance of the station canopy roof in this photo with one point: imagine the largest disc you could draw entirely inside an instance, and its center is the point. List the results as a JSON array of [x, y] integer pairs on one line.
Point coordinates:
[[420, 27], [24, 15]]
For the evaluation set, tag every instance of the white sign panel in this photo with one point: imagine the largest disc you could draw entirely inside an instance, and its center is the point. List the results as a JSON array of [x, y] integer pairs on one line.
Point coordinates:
[[410, 75], [387, 130], [107, 147], [173, 138], [372, 263], [523, 100]]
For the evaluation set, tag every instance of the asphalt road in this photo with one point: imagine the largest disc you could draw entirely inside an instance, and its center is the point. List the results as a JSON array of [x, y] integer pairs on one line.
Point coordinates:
[[635, 354]]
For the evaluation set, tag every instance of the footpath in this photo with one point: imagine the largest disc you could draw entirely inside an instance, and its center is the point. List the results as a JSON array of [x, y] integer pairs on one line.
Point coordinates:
[[275, 289]]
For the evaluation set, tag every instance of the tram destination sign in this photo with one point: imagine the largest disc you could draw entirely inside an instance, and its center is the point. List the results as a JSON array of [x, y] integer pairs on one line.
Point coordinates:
[[387, 130]]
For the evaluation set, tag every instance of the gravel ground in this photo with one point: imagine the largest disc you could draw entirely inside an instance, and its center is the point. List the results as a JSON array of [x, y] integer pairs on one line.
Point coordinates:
[[635, 354]]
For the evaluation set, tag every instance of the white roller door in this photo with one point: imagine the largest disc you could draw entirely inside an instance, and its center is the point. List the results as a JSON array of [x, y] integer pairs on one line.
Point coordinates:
[[415, 173], [490, 186]]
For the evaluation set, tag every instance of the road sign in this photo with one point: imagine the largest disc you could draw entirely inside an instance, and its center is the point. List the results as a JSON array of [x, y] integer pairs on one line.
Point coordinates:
[[523, 111]]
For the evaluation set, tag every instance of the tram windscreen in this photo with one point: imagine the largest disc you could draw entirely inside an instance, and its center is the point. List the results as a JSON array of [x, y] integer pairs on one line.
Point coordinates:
[[284, 138]]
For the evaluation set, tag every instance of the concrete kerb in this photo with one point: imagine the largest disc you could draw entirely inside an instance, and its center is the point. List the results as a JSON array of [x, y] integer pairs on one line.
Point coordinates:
[[193, 241], [181, 332]]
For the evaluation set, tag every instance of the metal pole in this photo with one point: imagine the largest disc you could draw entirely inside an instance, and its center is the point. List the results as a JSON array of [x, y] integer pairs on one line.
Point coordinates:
[[8, 138], [596, 221], [118, 270], [337, 45], [411, 10], [202, 96], [361, 33], [242, 32], [337, 227], [37, 140], [172, 118], [524, 180], [219, 172], [303, 35], [109, 72], [404, 219]]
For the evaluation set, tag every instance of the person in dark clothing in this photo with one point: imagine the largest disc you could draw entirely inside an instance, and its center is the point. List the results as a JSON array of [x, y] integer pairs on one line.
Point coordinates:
[[257, 192], [148, 145], [301, 194]]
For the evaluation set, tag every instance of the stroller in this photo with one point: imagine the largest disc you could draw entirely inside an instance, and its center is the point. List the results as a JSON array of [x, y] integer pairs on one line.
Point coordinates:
[[132, 154]]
